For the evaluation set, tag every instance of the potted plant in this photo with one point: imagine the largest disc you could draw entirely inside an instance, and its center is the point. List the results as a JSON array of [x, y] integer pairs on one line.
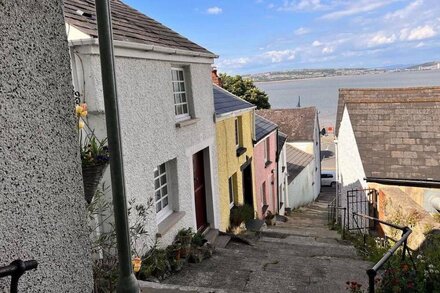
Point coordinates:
[[95, 155], [174, 251], [184, 236]]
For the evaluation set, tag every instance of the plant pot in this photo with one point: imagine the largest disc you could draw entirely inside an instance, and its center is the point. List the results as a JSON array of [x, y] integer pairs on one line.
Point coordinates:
[[185, 250], [196, 255], [92, 174]]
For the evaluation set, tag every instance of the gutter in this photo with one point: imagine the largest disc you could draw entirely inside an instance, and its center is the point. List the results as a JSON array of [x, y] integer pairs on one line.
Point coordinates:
[[143, 47], [219, 117], [405, 182]]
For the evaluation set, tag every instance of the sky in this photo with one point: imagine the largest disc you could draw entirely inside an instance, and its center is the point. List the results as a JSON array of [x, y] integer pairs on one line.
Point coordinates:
[[252, 36]]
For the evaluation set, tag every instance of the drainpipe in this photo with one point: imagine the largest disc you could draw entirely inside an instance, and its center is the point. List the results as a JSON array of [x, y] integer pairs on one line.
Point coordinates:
[[127, 280]]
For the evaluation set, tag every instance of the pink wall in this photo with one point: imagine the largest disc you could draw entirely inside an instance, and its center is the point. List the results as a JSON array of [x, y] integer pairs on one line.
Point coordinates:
[[266, 174]]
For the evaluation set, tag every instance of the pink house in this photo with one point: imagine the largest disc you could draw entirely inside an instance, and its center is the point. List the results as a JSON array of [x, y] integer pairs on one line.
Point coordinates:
[[265, 166]]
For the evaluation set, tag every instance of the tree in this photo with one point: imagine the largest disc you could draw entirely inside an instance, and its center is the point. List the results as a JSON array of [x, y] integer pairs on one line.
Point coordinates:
[[245, 89]]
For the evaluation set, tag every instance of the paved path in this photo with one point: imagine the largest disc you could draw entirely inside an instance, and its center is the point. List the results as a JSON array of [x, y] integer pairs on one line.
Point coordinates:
[[301, 255]]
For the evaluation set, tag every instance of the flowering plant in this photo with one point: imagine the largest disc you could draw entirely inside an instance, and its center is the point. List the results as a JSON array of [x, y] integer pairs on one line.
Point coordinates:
[[93, 150]]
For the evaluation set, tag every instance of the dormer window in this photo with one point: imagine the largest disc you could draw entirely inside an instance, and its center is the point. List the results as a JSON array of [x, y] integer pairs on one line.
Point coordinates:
[[237, 133]]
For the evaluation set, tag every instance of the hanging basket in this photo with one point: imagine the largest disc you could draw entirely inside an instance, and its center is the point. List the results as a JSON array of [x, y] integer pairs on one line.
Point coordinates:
[[92, 174]]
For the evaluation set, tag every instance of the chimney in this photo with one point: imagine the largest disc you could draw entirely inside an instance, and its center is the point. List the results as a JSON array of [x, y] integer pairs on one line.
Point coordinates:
[[215, 78]]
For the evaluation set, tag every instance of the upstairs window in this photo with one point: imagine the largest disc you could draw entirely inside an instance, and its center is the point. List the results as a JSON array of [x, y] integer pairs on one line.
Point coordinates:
[[181, 109], [237, 132], [266, 150]]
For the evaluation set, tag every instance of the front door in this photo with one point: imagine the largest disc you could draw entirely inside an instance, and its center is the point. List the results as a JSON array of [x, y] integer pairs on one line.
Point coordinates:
[[199, 190], [247, 186]]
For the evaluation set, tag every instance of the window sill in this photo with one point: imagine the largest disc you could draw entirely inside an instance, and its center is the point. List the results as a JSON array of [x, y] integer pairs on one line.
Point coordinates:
[[168, 223], [187, 122], [267, 164], [240, 151]]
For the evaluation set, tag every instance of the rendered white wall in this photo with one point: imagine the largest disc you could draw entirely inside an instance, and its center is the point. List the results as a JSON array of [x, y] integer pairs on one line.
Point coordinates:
[[301, 190], [350, 170], [149, 134]]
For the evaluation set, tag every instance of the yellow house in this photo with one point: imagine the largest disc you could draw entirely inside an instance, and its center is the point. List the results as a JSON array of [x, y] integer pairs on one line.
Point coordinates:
[[234, 133]]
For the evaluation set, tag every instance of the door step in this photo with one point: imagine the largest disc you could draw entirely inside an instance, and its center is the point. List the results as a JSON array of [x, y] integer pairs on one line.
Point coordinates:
[[211, 235], [222, 241]]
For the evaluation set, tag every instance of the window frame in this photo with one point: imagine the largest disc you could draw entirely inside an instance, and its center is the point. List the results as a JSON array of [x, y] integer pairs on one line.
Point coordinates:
[[266, 150], [187, 115], [167, 210], [231, 186], [237, 133], [263, 193]]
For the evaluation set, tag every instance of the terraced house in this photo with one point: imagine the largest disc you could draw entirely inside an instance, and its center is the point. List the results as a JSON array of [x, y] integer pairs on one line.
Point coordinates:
[[166, 113], [234, 134]]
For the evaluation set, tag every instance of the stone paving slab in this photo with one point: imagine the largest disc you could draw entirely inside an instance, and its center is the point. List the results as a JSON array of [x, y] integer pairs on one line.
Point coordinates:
[[300, 255]]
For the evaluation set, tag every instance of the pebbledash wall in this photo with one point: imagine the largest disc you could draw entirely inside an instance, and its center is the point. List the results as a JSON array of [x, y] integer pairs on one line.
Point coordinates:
[[150, 135], [350, 171], [266, 174], [42, 206]]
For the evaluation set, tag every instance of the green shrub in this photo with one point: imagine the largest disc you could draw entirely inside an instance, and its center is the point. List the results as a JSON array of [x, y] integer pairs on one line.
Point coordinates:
[[240, 214]]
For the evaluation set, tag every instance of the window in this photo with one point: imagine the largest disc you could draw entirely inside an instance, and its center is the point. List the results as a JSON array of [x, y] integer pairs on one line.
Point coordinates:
[[263, 193], [237, 132], [266, 150], [161, 196], [181, 108], [231, 183]]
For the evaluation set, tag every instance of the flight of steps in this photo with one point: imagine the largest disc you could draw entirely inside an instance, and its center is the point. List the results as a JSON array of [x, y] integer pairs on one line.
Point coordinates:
[[215, 238]]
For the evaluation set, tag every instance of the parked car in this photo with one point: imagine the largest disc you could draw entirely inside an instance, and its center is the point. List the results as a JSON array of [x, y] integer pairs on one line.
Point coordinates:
[[328, 178]]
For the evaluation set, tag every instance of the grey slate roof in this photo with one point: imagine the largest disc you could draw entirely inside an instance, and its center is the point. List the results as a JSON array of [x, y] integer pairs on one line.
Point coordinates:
[[263, 127], [297, 123], [297, 160], [226, 102], [128, 25], [397, 130]]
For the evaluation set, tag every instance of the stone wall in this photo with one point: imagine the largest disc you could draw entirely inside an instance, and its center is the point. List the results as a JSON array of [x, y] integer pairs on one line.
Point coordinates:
[[42, 206]]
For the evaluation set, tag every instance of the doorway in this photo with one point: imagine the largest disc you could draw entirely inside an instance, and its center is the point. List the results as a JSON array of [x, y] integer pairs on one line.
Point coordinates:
[[199, 190], [247, 186]]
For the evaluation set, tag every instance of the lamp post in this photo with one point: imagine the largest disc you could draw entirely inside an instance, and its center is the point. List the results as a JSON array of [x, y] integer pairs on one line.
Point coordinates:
[[127, 280]]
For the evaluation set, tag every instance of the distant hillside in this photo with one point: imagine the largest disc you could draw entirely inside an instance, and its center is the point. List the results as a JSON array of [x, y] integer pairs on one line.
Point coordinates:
[[328, 72]]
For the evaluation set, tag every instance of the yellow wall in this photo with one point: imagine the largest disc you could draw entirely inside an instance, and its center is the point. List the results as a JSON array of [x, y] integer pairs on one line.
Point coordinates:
[[229, 163]]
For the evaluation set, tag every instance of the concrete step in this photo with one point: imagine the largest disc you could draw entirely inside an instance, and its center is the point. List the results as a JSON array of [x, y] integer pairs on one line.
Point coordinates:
[[222, 241], [211, 235]]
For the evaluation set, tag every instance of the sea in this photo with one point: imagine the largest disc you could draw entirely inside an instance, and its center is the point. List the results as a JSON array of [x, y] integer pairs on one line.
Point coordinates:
[[323, 92]]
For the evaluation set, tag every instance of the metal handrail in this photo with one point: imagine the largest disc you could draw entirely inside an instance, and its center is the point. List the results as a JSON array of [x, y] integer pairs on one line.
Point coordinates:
[[406, 231], [16, 269]]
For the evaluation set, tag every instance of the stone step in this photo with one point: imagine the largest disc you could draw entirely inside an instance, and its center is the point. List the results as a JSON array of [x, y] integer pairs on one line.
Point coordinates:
[[211, 235], [222, 241]]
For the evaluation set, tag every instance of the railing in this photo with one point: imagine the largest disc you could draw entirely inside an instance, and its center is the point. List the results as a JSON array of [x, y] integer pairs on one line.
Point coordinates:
[[331, 215], [16, 269], [406, 231]]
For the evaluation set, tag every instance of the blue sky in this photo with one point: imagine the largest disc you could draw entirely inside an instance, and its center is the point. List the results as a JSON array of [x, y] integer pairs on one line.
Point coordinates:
[[253, 36]]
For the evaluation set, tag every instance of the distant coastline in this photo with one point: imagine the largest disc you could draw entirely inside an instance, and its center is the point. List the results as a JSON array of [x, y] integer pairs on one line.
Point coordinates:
[[305, 74]]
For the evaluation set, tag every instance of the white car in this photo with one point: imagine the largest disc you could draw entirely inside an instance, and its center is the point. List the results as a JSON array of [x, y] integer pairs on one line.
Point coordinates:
[[328, 178]]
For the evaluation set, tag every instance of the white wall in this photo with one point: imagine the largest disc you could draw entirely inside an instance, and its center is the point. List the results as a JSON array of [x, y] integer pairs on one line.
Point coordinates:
[[149, 133], [283, 189], [301, 190], [350, 171]]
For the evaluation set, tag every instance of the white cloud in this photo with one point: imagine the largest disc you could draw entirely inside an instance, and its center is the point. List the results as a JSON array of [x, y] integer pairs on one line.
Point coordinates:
[[316, 43], [301, 31], [279, 56], [418, 33], [357, 7], [404, 12], [296, 5], [381, 39], [233, 62], [421, 44], [327, 50], [214, 10], [270, 5]]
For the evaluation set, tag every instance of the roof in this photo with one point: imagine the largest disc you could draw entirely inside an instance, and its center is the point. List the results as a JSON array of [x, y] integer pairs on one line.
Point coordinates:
[[263, 127], [226, 102], [297, 123], [297, 160], [128, 25], [397, 131], [281, 140]]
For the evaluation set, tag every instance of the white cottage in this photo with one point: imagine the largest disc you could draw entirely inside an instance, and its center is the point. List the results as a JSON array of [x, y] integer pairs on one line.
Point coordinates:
[[166, 113], [302, 151]]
